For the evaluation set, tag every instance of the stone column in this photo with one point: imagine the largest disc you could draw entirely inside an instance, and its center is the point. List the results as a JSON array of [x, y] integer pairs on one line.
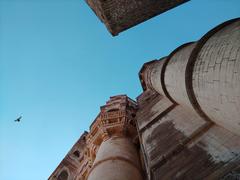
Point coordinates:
[[117, 159], [114, 131]]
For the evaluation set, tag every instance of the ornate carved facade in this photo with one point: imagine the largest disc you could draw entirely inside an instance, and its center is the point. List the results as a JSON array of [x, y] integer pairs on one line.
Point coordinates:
[[113, 128]]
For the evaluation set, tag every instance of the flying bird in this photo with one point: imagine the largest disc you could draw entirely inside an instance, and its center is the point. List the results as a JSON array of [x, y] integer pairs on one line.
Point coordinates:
[[18, 119]]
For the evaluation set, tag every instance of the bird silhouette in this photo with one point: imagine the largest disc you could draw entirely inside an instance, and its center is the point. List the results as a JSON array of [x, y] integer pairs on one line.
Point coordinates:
[[18, 119]]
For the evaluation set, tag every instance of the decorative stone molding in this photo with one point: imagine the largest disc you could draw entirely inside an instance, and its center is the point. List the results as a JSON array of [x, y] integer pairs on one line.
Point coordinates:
[[116, 119]]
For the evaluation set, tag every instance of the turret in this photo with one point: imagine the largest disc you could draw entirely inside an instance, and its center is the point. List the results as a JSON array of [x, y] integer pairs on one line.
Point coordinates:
[[203, 76]]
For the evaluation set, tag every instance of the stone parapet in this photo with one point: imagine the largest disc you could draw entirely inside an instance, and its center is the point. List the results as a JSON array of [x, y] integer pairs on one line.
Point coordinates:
[[119, 15]]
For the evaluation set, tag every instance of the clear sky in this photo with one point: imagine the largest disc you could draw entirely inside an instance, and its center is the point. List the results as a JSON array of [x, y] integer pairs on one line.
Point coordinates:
[[58, 65]]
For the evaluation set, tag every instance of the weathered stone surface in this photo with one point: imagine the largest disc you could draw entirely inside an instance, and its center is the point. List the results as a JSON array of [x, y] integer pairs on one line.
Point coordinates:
[[198, 137], [203, 76], [119, 15], [216, 77], [187, 119], [117, 158], [179, 145]]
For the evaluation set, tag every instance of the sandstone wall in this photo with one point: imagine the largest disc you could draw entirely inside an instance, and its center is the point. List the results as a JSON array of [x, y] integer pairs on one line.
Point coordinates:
[[189, 112]]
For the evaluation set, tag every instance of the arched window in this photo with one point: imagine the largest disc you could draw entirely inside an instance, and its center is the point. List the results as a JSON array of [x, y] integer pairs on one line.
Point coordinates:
[[63, 175], [76, 154]]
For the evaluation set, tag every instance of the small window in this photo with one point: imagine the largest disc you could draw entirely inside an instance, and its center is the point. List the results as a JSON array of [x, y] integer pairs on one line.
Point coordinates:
[[112, 110], [76, 154], [63, 175]]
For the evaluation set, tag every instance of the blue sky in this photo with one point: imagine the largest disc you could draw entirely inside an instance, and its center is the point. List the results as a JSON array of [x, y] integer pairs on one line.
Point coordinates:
[[58, 65]]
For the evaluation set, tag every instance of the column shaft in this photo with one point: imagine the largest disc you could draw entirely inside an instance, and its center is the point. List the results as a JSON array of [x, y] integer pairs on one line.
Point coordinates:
[[116, 159]]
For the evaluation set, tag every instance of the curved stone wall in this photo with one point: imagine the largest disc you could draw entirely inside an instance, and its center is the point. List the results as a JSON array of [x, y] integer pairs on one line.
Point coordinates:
[[204, 76], [174, 76], [155, 74], [117, 159], [216, 76]]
